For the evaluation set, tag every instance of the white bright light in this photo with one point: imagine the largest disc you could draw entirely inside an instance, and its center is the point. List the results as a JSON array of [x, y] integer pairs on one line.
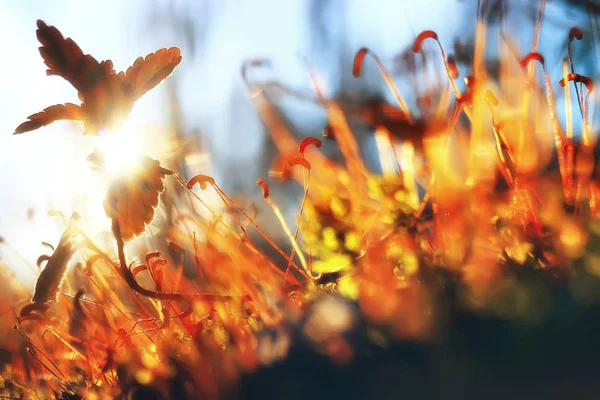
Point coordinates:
[[121, 150]]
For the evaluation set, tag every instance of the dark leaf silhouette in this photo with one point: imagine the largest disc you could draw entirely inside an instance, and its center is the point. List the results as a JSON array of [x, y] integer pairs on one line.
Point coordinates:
[[107, 97], [68, 111], [133, 198], [146, 73]]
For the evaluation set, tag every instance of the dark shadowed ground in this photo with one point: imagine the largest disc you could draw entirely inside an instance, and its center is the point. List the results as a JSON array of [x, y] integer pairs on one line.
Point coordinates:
[[476, 357]]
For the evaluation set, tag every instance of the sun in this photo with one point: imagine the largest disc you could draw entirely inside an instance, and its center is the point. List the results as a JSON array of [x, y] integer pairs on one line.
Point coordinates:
[[106, 158], [121, 149]]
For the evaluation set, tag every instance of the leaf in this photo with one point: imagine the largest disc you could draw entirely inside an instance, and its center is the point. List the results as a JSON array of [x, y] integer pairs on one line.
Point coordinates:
[[64, 58], [68, 111], [146, 73], [107, 97], [133, 198]]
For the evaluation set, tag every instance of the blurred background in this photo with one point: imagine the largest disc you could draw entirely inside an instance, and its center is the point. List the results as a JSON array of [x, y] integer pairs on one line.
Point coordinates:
[[206, 106]]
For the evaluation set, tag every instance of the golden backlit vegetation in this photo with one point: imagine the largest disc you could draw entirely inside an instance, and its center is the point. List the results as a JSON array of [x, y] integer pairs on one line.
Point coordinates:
[[491, 199]]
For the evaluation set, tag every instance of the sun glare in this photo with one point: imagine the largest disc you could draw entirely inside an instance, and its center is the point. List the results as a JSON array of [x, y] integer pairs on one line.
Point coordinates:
[[120, 152], [121, 149]]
